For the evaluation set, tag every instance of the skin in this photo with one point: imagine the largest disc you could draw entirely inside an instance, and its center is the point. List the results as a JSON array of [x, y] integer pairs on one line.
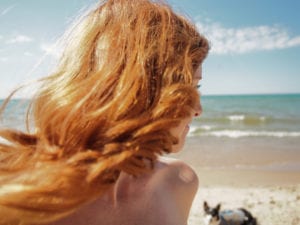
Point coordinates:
[[182, 130], [162, 197]]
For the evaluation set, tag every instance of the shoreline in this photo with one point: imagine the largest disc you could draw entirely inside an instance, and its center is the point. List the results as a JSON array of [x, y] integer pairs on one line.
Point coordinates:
[[242, 154], [246, 178]]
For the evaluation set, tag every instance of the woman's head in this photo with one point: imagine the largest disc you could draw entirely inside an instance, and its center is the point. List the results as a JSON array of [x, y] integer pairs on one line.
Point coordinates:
[[128, 64], [124, 80], [119, 60]]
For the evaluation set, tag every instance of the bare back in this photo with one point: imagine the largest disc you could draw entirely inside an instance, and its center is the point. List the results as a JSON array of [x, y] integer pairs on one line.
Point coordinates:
[[163, 197]]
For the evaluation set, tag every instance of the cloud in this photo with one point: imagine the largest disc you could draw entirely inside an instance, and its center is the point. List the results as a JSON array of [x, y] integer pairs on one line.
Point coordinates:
[[6, 10], [19, 39], [28, 53], [247, 39], [51, 49], [3, 59]]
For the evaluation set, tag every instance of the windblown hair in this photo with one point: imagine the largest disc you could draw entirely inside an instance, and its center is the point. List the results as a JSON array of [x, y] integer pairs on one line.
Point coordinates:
[[124, 80]]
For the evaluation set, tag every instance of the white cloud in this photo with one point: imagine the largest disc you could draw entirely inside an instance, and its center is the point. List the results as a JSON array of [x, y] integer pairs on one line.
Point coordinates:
[[6, 10], [28, 53], [19, 39], [51, 49], [247, 39], [3, 59]]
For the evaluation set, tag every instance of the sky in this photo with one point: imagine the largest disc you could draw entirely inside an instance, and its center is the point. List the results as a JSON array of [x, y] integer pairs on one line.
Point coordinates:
[[255, 44]]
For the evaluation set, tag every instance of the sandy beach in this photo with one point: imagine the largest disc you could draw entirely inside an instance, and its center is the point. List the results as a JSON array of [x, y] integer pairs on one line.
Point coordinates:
[[271, 204], [267, 182]]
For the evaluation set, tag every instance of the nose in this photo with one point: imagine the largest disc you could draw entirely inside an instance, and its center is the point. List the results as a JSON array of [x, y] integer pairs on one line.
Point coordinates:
[[198, 109]]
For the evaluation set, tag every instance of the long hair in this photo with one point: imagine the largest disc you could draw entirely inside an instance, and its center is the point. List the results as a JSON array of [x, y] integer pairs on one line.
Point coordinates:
[[124, 79]]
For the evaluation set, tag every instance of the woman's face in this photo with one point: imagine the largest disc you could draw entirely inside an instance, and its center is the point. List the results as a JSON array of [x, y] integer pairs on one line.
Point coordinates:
[[182, 129]]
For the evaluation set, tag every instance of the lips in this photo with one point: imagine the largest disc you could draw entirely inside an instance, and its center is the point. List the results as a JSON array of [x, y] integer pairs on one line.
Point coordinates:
[[187, 128]]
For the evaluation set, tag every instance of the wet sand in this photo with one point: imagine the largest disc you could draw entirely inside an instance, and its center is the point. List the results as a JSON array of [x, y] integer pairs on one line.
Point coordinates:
[[260, 175]]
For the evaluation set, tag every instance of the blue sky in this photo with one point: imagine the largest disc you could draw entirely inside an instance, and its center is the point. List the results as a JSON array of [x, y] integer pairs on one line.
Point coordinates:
[[255, 44]]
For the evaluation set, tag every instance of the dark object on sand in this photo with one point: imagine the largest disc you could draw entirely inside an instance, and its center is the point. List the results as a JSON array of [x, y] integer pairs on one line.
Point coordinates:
[[240, 216]]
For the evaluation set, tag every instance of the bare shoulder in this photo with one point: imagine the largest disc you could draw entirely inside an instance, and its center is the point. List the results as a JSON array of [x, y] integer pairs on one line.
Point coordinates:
[[174, 185], [176, 173]]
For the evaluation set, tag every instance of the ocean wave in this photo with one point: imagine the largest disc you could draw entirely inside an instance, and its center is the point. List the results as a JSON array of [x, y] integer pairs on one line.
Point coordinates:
[[240, 117], [247, 118], [244, 119], [236, 117], [196, 129], [206, 127], [247, 133]]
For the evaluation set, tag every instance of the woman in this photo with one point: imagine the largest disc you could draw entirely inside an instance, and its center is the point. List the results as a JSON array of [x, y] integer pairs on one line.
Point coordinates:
[[124, 93]]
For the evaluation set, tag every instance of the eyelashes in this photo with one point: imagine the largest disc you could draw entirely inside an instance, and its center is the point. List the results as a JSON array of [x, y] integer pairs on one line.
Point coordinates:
[[198, 86]]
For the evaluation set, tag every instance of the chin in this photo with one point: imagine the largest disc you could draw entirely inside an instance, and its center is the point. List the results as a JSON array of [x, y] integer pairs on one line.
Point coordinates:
[[181, 132], [178, 147]]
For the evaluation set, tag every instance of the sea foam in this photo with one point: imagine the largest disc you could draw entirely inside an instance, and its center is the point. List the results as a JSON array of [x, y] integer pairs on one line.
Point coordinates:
[[250, 133]]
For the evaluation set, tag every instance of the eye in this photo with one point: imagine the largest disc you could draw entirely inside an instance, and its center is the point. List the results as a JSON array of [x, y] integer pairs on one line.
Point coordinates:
[[198, 86]]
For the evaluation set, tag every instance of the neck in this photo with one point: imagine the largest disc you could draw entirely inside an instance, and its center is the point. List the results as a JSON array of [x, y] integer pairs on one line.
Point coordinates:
[[117, 190]]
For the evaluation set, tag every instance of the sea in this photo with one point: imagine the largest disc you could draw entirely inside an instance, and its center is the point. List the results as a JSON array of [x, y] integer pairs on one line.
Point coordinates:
[[236, 116], [249, 132]]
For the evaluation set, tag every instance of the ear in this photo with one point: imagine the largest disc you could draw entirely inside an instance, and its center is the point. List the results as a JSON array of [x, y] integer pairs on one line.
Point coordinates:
[[218, 207], [205, 206]]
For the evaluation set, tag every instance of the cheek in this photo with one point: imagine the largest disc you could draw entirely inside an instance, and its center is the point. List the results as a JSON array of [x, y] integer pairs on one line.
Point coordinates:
[[185, 130], [181, 129], [180, 132], [177, 131]]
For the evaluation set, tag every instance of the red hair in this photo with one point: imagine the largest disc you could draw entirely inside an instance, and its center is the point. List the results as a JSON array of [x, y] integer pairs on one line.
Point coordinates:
[[124, 80]]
